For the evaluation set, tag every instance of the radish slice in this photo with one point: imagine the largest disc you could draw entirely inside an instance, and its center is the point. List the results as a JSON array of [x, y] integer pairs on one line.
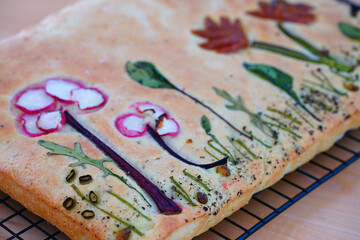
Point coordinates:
[[50, 121], [88, 98], [34, 100], [167, 126], [61, 88], [131, 125], [153, 109], [29, 125]]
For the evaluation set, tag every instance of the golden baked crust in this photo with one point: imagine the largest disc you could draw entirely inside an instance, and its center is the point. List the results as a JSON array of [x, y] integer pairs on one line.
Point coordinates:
[[92, 41]]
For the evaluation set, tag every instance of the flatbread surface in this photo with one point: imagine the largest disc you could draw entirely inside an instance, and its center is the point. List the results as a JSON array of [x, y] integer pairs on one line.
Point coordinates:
[[91, 41]]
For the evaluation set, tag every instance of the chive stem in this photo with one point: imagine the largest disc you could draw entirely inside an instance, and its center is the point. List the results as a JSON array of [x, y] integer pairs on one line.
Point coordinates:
[[299, 114], [243, 145], [285, 115], [132, 227], [129, 205], [257, 139], [181, 191], [197, 180]]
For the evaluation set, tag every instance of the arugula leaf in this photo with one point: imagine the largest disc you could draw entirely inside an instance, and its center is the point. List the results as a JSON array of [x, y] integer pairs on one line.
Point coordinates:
[[147, 75], [278, 78], [205, 123], [78, 154], [349, 31]]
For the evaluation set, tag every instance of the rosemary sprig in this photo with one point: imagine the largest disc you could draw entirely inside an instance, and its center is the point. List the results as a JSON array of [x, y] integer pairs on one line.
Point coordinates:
[[197, 180], [129, 205], [83, 197], [238, 104], [79, 155], [179, 190]]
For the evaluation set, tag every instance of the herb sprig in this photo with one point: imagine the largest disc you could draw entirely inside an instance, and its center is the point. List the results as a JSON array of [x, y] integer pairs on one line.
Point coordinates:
[[78, 154], [206, 125]]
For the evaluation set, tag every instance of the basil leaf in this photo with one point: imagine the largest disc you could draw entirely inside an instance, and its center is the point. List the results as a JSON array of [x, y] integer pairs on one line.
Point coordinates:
[[283, 51], [278, 78], [349, 31], [205, 123], [147, 75]]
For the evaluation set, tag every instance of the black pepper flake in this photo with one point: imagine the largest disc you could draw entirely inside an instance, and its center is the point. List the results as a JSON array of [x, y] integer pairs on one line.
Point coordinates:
[[205, 208]]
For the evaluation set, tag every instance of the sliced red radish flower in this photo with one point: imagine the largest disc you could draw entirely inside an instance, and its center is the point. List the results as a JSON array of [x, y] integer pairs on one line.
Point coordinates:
[[88, 98], [61, 88], [153, 109], [50, 121], [167, 126], [29, 125], [131, 125], [34, 100]]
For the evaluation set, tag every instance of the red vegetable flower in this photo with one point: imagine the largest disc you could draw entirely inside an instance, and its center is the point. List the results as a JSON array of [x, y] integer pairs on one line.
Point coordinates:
[[282, 11], [225, 37]]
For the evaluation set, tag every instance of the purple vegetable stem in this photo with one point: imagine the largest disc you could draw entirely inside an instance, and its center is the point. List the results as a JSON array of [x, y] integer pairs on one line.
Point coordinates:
[[166, 205], [161, 142]]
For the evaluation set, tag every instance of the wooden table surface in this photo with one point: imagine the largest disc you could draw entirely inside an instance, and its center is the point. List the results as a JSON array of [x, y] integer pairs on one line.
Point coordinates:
[[330, 212]]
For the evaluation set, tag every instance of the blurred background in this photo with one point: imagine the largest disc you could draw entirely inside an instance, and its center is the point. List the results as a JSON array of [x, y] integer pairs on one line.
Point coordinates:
[[17, 14]]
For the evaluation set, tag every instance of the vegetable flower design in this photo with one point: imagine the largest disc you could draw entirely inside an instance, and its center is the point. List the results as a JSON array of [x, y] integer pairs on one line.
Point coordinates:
[[282, 11], [134, 125], [227, 37], [41, 107]]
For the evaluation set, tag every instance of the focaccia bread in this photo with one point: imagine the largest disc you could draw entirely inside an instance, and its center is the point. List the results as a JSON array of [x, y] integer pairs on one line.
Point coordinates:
[[157, 119]]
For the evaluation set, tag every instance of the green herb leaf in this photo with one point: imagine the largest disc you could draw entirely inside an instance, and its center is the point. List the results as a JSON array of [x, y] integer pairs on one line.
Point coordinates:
[[147, 75], [78, 154], [278, 78], [283, 51], [349, 31], [205, 123]]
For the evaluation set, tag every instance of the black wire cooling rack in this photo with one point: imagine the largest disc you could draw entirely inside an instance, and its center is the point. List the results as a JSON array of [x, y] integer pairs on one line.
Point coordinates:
[[18, 223]]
